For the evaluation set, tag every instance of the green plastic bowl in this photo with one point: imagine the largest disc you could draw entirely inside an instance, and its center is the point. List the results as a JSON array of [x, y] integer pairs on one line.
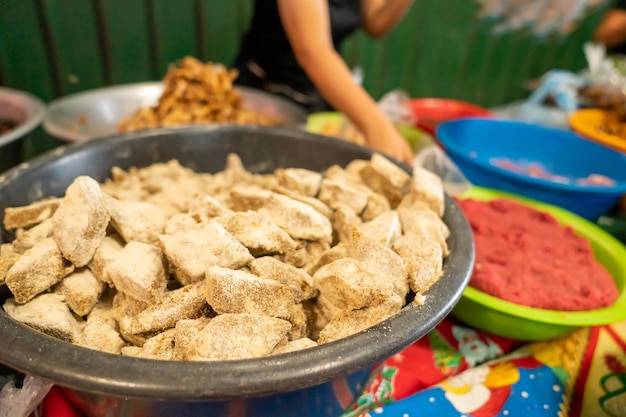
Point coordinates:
[[318, 122], [496, 316]]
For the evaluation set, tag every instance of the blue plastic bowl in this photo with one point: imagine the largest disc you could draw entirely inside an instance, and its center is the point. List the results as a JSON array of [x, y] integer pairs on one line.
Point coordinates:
[[473, 144]]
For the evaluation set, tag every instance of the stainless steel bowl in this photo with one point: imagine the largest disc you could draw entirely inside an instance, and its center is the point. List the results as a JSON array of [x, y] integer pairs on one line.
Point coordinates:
[[316, 382], [24, 110], [97, 113]]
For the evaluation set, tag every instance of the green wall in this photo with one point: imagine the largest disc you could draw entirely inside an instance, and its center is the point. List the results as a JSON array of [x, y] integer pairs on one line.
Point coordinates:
[[56, 47]]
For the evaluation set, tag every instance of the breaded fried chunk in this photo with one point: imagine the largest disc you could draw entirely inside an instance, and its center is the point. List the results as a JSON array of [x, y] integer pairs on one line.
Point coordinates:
[[101, 331], [380, 260], [236, 171], [101, 335], [139, 271], [385, 228], [108, 251], [104, 310], [181, 221], [137, 220], [299, 320], [160, 346], [350, 322], [301, 180], [300, 282], [186, 331], [81, 220], [30, 215], [168, 185], [343, 222], [314, 202], [248, 197], [37, 270], [340, 250], [27, 238], [427, 186], [423, 258], [351, 176], [47, 313], [377, 204], [237, 291], [183, 303], [191, 252], [205, 207], [336, 193], [300, 220], [312, 253], [413, 216], [386, 178], [355, 166], [257, 233], [8, 257], [345, 176], [81, 290], [237, 336], [125, 308], [347, 284]]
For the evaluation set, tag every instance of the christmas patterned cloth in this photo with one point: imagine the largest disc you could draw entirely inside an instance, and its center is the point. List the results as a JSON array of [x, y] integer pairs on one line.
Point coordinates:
[[457, 371]]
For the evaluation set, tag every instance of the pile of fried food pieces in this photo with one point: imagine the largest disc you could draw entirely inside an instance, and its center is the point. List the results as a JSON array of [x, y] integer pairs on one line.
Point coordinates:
[[196, 93], [613, 101], [166, 263]]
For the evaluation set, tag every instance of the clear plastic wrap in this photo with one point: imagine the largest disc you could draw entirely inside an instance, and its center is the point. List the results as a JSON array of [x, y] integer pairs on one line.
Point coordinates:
[[435, 160], [23, 402]]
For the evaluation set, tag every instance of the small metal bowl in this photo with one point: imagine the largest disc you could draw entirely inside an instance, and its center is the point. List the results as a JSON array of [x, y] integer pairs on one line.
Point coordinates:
[[26, 112], [97, 113]]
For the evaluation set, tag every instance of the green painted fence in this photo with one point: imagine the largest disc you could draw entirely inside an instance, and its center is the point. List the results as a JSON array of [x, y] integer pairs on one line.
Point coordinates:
[[53, 48]]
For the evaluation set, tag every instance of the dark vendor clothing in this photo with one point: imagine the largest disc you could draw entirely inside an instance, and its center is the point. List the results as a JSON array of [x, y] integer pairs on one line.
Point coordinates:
[[621, 48], [266, 60]]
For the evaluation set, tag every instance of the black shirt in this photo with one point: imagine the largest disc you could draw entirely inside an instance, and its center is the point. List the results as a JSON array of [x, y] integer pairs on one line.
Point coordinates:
[[266, 59]]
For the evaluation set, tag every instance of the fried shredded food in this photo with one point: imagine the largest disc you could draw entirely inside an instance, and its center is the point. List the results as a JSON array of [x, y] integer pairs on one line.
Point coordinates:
[[195, 93]]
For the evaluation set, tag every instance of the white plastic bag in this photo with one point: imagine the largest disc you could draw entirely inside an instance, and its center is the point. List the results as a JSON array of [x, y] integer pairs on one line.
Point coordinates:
[[21, 402], [395, 105], [435, 160]]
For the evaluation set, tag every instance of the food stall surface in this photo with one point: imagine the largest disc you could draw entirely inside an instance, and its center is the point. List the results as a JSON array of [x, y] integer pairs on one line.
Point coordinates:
[[459, 371]]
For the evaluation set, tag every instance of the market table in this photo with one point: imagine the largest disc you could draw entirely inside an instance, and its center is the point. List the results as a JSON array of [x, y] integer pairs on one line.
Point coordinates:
[[458, 371]]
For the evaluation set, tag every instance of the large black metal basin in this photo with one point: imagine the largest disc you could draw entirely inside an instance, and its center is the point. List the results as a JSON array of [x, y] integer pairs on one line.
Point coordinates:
[[313, 382]]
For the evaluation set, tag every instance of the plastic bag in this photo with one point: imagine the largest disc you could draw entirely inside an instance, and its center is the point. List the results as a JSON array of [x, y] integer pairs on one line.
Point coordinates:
[[560, 86], [394, 105], [22, 402], [435, 160]]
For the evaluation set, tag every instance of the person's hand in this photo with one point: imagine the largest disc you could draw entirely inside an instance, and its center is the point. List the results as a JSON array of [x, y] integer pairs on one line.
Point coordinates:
[[386, 138]]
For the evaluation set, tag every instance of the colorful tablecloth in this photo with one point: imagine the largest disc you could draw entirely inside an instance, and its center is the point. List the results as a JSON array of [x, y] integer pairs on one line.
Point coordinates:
[[457, 371]]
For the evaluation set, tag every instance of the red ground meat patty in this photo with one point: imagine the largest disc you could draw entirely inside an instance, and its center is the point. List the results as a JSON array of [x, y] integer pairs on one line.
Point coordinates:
[[525, 256]]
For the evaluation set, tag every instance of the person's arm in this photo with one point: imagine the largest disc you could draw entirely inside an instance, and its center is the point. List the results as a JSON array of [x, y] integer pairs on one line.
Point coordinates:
[[612, 29], [307, 25], [380, 16]]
